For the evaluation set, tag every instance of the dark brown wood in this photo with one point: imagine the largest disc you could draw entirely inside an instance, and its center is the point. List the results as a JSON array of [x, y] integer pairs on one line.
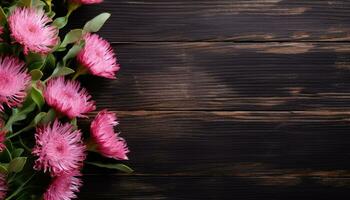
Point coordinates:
[[227, 76], [276, 144], [229, 20], [199, 188], [226, 99]]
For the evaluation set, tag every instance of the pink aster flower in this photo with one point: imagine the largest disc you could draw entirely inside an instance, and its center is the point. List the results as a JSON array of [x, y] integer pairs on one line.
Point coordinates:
[[98, 57], [1, 32], [3, 186], [87, 1], [68, 97], [60, 148], [63, 187], [2, 136], [30, 28], [14, 81], [2, 141], [108, 142]]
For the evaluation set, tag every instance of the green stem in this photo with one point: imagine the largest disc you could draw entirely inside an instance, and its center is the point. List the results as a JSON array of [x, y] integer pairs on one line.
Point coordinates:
[[20, 188], [90, 145], [80, 71], [28, 127], [24, 145], [8, 152], [49, 3], [72, 6]]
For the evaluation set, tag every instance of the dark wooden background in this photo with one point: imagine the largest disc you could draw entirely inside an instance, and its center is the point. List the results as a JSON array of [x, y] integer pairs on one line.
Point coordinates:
[[227, 99]]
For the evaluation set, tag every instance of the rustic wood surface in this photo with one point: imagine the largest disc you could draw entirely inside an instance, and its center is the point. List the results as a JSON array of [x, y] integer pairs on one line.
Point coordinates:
[[227, 99]]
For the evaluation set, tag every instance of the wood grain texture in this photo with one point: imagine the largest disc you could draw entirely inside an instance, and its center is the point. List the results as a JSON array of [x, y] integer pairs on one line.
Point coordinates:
[[226, 99], [222, 20], [227, 76], [199, 188], [276, 144]]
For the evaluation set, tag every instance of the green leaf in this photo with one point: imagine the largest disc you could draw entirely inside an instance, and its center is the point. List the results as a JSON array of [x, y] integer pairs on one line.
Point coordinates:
[[16, 165], [3, 17], [74, 122], [39, 117], [50, 61], [3, 168], [120, 167], [49, 117], [72, 37], [62, 71], [96, 23], [36, 74], [72, 52], [37, 97], [38, 4], [35, 61], [5, 48], [25, 3], [60, 22], [17, 152], [19, 115]]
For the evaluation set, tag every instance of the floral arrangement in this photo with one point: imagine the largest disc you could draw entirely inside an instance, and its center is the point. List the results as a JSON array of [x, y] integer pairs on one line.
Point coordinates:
[[42, 148]]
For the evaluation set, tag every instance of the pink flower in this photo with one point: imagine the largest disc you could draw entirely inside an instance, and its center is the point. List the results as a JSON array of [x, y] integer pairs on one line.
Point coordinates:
[[2, 140], [2, 136], [14, 81], [30, 28], [108, 142], [68, 97], [1, 32], [3, 186], [98, 57], [60, 148], [63, 187], [87, 1]]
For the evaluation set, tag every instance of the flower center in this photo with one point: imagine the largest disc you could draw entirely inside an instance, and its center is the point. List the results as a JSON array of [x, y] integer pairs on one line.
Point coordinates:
[[32, 29], [68, 95], [60, 148]]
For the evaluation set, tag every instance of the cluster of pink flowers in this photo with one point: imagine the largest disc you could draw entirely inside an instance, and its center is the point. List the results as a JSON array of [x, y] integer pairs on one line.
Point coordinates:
[[59, 148]]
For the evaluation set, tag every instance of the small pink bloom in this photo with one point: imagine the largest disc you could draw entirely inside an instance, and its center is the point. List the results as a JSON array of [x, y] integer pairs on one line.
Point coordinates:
[[63, 187], [87, 1], [60, 148], [2, 140], [30, 28], [14, 81], [108, 142], [98, 57], [3, 186], [2, 136], [1, 32], [68, 97]]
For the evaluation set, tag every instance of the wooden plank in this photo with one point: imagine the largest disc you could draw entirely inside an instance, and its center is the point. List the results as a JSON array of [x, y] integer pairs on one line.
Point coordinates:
[[244, 144], [223, 20], [153, 188], [227, 76]]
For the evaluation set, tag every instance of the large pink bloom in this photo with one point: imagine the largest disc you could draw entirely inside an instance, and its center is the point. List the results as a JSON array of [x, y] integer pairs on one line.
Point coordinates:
[[108, 142], [14, 81], [30, 28], [60, 148], [87, 1], [63, 187], [68, 97], [3, 186], [98, 57]]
